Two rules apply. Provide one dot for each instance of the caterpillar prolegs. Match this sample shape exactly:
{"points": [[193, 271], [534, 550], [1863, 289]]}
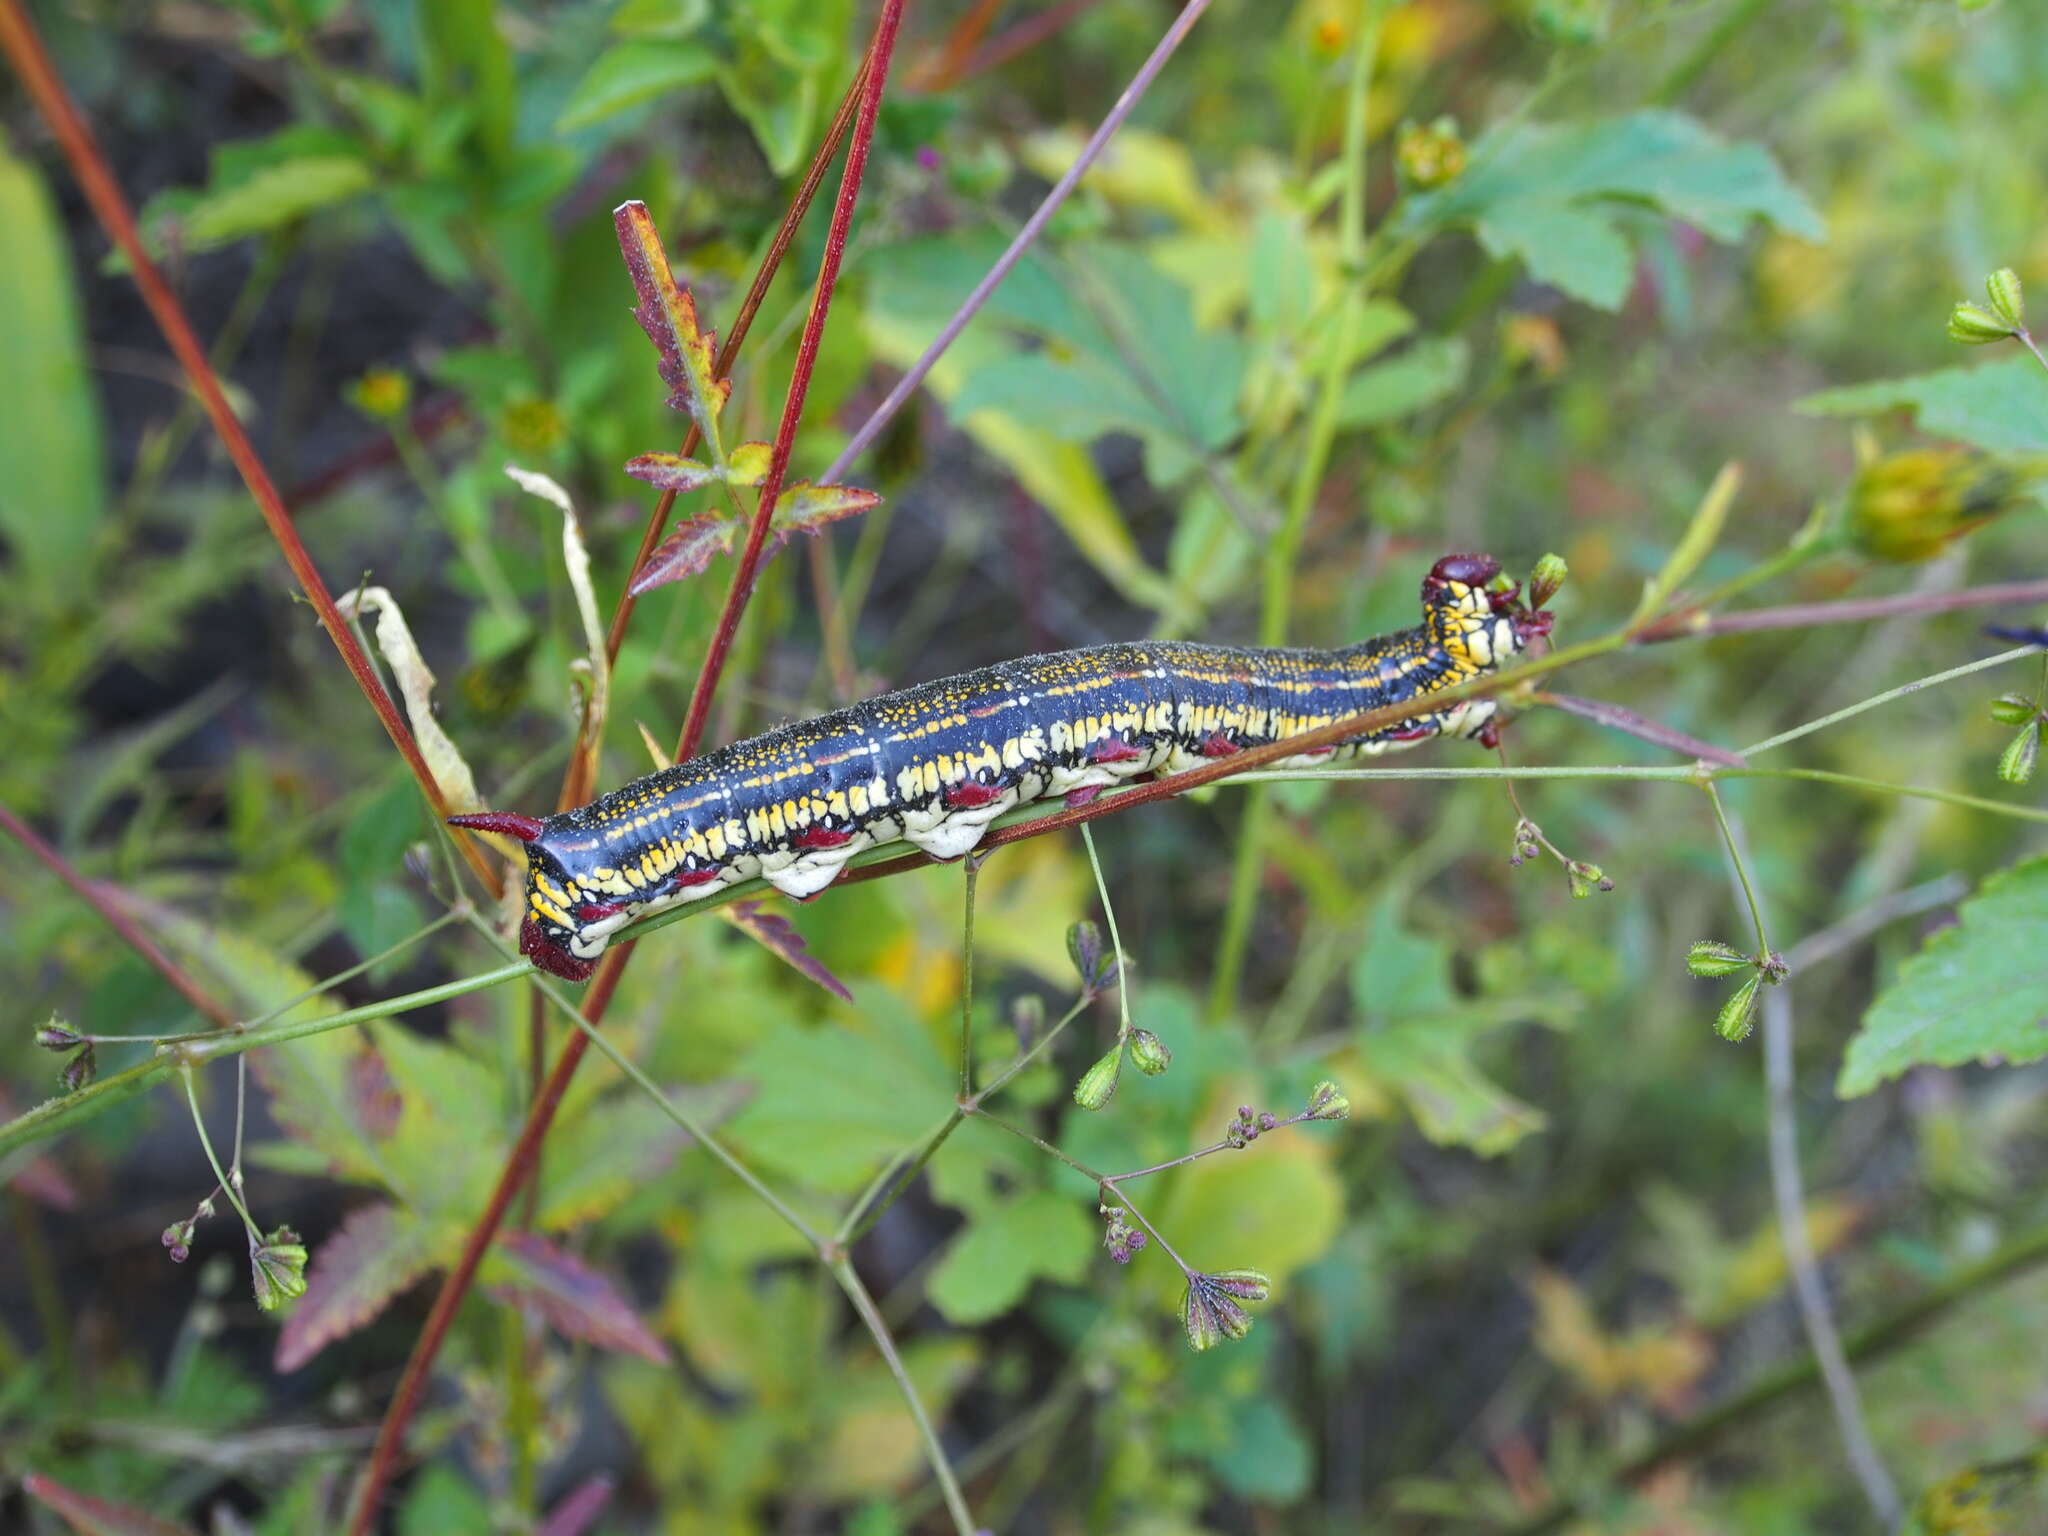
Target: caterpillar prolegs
{"points": [[933, 765]]}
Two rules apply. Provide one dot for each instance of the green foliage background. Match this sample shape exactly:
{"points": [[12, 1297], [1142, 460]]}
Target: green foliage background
{"points": [[1205, 405]]}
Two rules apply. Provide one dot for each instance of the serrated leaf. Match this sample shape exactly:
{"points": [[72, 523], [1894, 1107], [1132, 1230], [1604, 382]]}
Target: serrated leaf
{"points": [[53, 495], [667, 312], [322, 1087], [576, 1300], [694, 544], [91, 1516], [671, 472], [805, 508], [778, 935], [451, 1124], [631, 72], [2002, 406], [373, 1255], [1977, 991], [989, 1267], [1549, 194], [416, 684]]}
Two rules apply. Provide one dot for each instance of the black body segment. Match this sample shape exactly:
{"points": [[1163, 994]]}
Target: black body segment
{"points": [[935, 764]]}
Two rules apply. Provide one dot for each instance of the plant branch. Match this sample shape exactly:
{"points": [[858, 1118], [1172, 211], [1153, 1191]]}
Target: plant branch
{"points": [[1918, 683], [1697, 624], [24, 49], [95, 896]]}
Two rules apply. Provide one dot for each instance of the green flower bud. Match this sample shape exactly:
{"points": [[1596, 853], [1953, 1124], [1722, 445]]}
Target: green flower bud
{"points": [[58, 1036], [1738, 1015], [1911, 506], [382, 394], [1430, 157], [277, 1265], [1149, 1053], [1586, 879], [2011, 709], [1710, 957], [2016, 762], [1547, 579], [1099, 1081], [2004, 288], [1974, 325]]}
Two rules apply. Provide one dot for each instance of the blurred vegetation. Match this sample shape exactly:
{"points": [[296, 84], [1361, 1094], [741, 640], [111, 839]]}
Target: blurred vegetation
{"points": [[1359, 284]]}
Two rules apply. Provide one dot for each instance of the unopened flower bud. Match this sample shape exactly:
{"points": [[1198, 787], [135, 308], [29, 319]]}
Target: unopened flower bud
{"points": [[1710, 957], [1586, 878], [1326, 1101], [1547, 579], [1099, 1081], [58, 1036], [1911, 506], [1268, 1120], [2008, 710], [178, 1239], [1149, 1053], [1738, 1015], [1430, 157], [1210, 1307], [2016, 763], [1123, 1240], [2003, 287], [382, 394], [1084, 948], [80, 1070], [1974, 325]]}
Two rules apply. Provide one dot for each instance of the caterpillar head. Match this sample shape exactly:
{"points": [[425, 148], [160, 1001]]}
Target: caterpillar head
{"points": [[548, 932], [1475, 615]]}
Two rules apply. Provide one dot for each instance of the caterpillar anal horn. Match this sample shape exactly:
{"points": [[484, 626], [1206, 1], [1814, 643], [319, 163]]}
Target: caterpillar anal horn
{"points": [[505, 823]]}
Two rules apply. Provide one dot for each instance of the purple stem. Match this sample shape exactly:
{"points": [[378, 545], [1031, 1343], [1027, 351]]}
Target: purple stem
{"points": [[1033, 228]]}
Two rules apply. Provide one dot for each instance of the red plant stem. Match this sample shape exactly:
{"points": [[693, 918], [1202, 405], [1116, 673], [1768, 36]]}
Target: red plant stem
{"points": [[1696, 625], [24, 49], [799, 380], [540, 1116], [525, 1152], [938, 71], [721, 366], [96, 898]]}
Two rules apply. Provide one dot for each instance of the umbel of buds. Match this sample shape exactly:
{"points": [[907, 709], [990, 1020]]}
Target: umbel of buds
{"points": [[277, 1265], [1210, 1308], [1123, 1240], [1974, 325], [1326, 1101], [1586, 878], [1246, 1126]]}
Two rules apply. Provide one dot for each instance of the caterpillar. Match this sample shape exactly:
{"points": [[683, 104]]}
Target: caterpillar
{"points": [[934, 764]]}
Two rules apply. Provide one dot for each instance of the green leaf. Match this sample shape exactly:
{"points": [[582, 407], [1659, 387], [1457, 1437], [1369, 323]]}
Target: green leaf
{"points": [[373, 1255], [631, 72], [805, 508], [1400, 386], [2002, 406], [991, 1265], [451, 1129], [91, 1516], [466, 68], [1265, 1457], [1977, 991], [667, 312], [832, 1103], [1277, 1207], [1548, 193], [777, 105], [273, 197], [661, 18], [600, 1156], [52, 495], [1452, 1101]]}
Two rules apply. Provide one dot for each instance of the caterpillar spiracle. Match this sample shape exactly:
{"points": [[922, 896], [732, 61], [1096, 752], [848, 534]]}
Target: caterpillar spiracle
{"points": [[935, 764]]}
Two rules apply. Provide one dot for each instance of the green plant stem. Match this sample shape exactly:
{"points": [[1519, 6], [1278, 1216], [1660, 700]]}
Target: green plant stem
{"points": [[935, 1451], [1881, 1337], [522, 1413], [1888, 695], [1741, 867], [227, 1185], [972, 868], [1116, 944]]}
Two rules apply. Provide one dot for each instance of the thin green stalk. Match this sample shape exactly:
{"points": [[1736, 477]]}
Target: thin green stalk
{"points": [[1888, 695], [934, 1450], [228, 1186], [1116, 944], [1037, 1048], [1756, 912], [972, 866], [560, 1001]]}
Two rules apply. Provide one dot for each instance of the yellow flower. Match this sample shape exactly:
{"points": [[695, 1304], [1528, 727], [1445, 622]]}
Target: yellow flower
{"points": [[1909, 507]]}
